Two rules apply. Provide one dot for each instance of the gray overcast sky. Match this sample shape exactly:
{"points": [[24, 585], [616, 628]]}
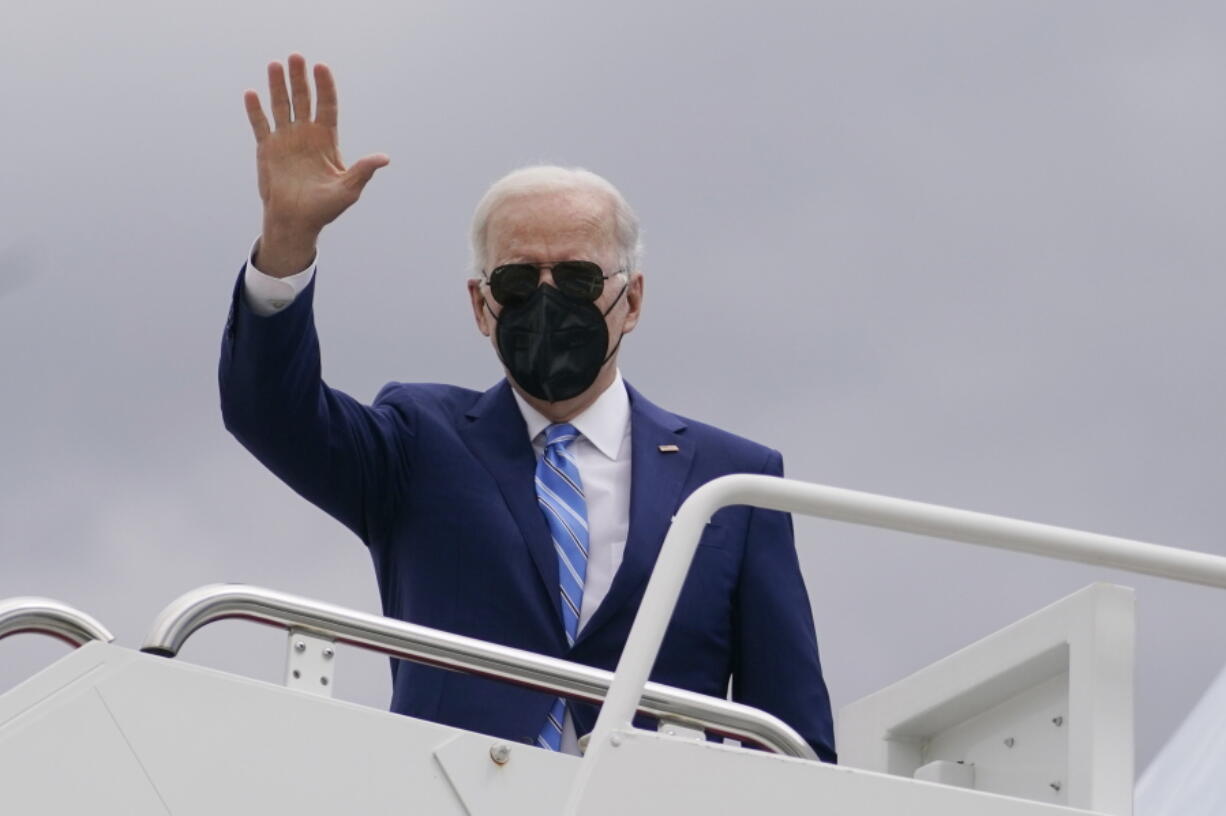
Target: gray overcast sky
{"points": [[962, 252]]}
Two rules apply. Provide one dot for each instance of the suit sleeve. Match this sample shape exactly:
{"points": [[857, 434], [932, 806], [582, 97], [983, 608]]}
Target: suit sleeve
{"points": [[347, 458], [775, 659]]}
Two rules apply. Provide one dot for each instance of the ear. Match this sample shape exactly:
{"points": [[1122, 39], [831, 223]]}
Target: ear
{"points": [[634, 302], [485, 323]]}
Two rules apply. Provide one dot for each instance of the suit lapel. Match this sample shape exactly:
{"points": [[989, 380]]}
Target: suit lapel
{"points": [[494, 430], [656, 481]]}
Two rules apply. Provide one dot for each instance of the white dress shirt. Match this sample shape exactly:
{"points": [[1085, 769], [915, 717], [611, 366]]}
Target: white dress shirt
{"points": [[267, 295], [602, 454]]}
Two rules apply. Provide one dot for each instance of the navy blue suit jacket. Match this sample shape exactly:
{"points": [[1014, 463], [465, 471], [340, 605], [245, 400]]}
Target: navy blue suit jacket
{"points": [[438, 482]]}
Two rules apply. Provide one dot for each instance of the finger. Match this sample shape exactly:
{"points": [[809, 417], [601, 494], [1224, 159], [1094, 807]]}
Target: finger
{"points": [[255, 115], [325, 92], [300, 91], [278, 98], [363, 169]]}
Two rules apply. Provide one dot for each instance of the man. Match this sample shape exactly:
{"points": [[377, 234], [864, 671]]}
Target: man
{"points": [[530, 514]]}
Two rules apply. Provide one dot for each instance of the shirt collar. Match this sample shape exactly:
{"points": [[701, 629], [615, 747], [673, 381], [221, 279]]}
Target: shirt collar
{"points": [[603, 423]]}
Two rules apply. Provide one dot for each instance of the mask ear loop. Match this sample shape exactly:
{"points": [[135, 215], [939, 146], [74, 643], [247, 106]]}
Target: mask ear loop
{"points": [[606, 314], [497, 349], [488, 309]]}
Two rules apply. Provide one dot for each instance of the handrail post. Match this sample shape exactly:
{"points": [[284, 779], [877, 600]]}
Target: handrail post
{"points": [[775, 493], [647, 631]]}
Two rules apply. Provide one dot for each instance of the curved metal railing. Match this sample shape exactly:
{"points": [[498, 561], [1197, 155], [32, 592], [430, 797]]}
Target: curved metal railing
{"points": [[837, 504], [195, 609], [48, 617]]}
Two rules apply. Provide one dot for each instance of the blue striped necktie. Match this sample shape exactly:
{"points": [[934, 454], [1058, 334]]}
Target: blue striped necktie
{"points": [[559, 490]]}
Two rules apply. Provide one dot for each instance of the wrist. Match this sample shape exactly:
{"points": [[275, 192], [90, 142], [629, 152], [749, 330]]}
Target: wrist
{"points": [[284, 250]]}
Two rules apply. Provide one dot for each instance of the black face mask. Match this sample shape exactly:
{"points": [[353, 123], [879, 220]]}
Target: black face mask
{"points": [[553, 345]]}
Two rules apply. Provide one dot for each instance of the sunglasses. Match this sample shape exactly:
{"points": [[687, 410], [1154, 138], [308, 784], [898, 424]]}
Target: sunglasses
{"points": [[512, 284]]}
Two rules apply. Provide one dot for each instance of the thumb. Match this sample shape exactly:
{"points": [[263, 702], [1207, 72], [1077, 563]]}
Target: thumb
{"points": [[364, 168]]}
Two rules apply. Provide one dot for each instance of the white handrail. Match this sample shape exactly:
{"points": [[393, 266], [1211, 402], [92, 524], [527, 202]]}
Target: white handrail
{"points": [[854, 507]]}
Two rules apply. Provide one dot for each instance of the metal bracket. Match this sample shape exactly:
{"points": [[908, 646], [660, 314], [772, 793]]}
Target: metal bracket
{"points": [[682, 730], [309, 662]]}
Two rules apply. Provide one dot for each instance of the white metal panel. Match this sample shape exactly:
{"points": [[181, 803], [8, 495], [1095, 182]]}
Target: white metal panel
{"points": [[1011, 685], [1186, 778], [651, 773], [105, 727], [1018, 747], [947, 773], [211, 740], [155, 735], [489, 788], [72, 758], [88, 663], [310, 662]]}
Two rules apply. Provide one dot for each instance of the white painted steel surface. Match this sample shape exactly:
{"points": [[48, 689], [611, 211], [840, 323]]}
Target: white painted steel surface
{"points": [[111, 731], [664, 586], [115, 732], [646, 773], [310, 662], [1043, 708]]}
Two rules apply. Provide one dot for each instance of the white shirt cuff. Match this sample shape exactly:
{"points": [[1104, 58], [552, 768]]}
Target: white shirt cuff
{"points": [[267, 295]]}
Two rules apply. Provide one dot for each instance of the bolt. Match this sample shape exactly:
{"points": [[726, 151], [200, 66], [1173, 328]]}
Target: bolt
{"points": [[1008, 742], [500, 752], [1059, 721], [615, 740], [1055, 786], [297, 674], [328, 652], [300, 646], [323, 681]]}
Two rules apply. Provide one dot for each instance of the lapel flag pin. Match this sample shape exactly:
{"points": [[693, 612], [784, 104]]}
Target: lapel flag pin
{"points": [[669, 449]]}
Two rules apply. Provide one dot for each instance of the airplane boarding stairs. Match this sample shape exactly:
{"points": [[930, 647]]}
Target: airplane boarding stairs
{"points": [[1035, 719]]}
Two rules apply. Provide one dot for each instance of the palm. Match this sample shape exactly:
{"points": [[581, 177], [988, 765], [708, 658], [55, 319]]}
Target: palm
{"points": [[301, 174], [303, 181]]}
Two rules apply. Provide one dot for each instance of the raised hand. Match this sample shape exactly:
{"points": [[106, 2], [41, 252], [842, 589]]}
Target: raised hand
{"points": [[303, 182]]}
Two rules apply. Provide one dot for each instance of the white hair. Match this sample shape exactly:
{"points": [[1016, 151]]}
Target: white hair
{"points": [[547, 178]]}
